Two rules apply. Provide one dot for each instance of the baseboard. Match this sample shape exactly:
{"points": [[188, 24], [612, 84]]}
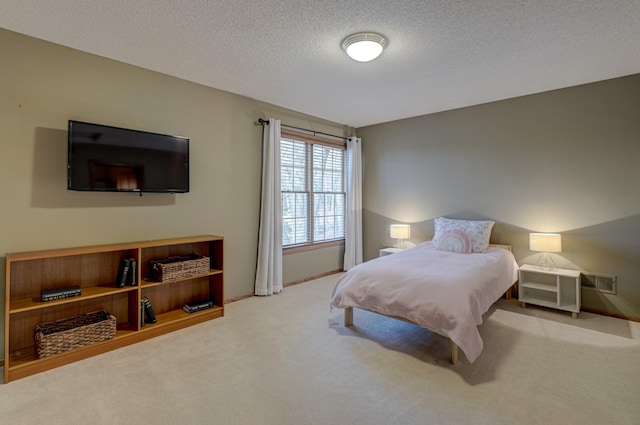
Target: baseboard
{"points": [[238, 298], [242, 297], [611, 314]]}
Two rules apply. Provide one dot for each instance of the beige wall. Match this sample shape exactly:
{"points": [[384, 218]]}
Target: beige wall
{"points": [[43, 85], [563, 161], [300, 266]]}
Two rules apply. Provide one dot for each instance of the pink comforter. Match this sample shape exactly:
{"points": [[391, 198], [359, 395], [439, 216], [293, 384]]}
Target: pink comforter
{"points": [[442, 291]]}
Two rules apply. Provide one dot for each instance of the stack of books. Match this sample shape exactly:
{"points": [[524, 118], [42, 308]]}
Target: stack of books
{"points": [[59, 293], [194, 306], [127, 274]]}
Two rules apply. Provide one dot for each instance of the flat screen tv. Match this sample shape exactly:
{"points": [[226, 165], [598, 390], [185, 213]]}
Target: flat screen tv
{"points": [[110, 159]]}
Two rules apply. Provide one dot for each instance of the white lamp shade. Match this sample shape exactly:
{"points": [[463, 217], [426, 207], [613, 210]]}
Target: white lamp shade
{"points": [[545, 242], [400, 231]]}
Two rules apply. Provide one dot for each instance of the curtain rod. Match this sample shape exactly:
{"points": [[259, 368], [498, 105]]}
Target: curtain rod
{"points": [[266, 122]]}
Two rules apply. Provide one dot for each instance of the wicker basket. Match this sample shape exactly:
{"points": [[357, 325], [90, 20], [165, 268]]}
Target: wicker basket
{"points": [[74, 332], [179, 267]]}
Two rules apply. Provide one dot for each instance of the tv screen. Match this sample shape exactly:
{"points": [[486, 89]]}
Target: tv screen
{"points": [[111, 159]]}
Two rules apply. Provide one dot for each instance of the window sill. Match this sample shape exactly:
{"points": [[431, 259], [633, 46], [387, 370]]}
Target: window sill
{"points": [[303, 248]]}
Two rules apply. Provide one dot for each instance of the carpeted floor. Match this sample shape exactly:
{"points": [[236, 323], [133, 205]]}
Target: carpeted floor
{"points": [[287, 359]]}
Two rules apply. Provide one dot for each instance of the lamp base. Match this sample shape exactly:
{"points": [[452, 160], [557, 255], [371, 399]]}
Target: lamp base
{"points": [[545, 262]]}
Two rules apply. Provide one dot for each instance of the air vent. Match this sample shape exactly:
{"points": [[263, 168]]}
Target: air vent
{"points": [[600, 282]]}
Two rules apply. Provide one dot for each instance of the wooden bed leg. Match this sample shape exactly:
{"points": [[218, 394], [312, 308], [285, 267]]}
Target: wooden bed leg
{"points": [[508, 293], [454, 353], [348, 316]]}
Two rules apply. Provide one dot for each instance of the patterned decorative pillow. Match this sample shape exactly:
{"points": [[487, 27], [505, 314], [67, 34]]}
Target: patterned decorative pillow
{"points": [[479, 232], [454, 241]]}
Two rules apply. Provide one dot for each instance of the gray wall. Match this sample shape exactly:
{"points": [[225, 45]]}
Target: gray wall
{"points": [[42, 85], [563, 161]]}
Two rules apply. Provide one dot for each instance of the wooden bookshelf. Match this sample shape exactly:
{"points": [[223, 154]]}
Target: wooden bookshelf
{"points": [[95, 269]]}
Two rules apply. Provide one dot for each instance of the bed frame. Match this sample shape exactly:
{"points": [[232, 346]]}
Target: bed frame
{"points": [[348, 313], [348, 321]]}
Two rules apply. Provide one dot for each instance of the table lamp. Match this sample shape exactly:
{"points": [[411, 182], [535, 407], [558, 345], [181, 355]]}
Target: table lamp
{"points": [[545, 243], [400, 232]]}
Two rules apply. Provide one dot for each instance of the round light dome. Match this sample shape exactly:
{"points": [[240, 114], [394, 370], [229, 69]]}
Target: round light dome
{"points": [[364, 47]]}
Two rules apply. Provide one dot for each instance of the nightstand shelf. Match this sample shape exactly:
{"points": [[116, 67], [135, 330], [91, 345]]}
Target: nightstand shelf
{"points": [[556, 288]]}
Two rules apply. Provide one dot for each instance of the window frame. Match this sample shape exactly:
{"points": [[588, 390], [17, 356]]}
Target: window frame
{"points": [[315, 140]]}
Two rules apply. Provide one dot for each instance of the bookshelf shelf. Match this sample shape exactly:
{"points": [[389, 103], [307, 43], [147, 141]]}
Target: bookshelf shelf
{"points": [[95, 270], [27, 304], [173, 316], [148, 282]]}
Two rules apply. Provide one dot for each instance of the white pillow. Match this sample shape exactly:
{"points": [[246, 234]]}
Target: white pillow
{"points": [[479, 232]]}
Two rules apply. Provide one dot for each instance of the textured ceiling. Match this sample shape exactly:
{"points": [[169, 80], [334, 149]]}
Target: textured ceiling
{"points": [[442, 54]]}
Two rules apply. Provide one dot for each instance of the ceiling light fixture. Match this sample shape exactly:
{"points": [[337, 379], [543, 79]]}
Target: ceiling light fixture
{"points": [[364, 46]]}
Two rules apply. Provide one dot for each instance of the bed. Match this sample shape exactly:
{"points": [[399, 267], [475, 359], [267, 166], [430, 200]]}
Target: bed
{"points": [[444, 285]]}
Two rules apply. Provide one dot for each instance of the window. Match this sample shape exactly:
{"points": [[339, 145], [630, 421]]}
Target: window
{"points": [[313, 189]]}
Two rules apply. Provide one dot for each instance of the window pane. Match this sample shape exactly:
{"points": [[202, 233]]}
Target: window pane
{"points": [[288, 205], [286, 178], [286, 153], [329, 216], [340, 198], [328, 169], [318, 205], [294, 231], [294, 218], [317, 180], [301, 205], [302, 231], [339, 215], [300, 179], [293, 163], [288, 231]]}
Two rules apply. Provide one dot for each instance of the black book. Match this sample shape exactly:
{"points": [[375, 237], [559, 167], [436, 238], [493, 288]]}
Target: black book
{"points": [[142, 309], [60, 293], [132, 278], [199, 303], [148, 310], [123, 273], [192, 307], [59, 296]]}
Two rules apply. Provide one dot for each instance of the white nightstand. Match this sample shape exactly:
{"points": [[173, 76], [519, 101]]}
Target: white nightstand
{"points": [[388, 251], [556, 288]]}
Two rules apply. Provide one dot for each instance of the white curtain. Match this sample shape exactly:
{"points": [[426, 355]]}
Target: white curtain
{"points": [[353, 225], [269, 267]]}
